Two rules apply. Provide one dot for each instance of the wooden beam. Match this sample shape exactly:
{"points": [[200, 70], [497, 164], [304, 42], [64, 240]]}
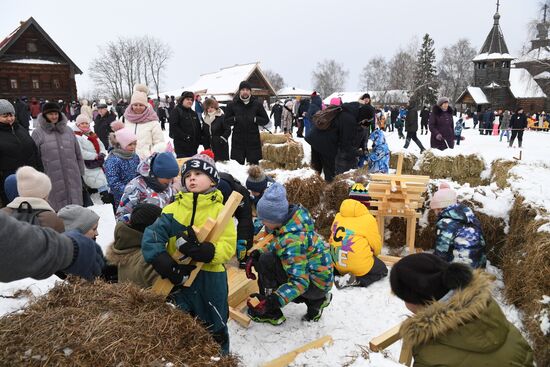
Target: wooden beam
{"points": [[389, 260], [385, 339], [261, 244], [399, 163], [240, 317], [288, 358]]}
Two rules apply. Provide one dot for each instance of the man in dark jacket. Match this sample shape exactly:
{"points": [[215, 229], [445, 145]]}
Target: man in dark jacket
{"points": [[366, 113], [442, 125], [323, 149], [350, 134], [488, 120], [411, 127], [393, 117], [243, 214], [518, 123], [245, 114], [36, 252], [102, 123], [424, 116], [22, 112], [185, 127], [276, 112]]}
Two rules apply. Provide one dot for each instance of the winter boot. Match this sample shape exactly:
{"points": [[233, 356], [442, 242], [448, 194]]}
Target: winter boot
{"points": [[315, 308], [348, 280], [275, 317]]}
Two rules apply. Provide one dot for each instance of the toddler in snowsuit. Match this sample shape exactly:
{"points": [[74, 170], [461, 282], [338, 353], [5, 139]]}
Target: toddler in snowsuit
{"points": [[295, 267], [125, 252], [379, 154], [153, 185], [456, 321], [355, 242], [198, 200], [458, 130], [459, 235], [121, 165]]}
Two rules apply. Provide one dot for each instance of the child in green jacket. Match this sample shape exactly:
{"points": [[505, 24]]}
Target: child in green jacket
{"points": [[198, 200], [295, 267]]}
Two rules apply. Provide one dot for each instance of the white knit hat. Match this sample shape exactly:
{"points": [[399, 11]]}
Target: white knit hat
{"points": [[32, 183], [81, 119], [443, 197], [140, 94]]}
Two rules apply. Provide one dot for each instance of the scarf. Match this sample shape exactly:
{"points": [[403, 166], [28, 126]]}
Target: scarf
{"points": [[245, 101], [148, 115], [121, 153], [92, 137], [210, 117], [154, 183]]}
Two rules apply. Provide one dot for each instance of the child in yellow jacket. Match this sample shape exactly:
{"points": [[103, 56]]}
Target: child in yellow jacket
{"points": [[355, 242]]}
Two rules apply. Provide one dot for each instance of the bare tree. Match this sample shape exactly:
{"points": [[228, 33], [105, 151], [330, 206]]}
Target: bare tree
{"points": [[375, 75], [401, 70], [127, 61], [456, 69], [275, 79], [329, 77]]}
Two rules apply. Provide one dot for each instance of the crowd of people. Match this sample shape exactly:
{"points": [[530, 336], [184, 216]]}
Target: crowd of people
{"points": [[47, 174]]}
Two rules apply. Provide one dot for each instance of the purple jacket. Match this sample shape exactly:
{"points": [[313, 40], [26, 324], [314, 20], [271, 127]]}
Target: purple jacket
{"points": [[441, 122]]}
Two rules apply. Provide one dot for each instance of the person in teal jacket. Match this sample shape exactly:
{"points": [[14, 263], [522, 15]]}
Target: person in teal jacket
{"points": [[295, 267], [198, 200]]}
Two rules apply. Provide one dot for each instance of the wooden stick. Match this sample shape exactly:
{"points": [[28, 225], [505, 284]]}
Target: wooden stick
{"points": [[288, 358], [385, 339], [240, 317], [261, 244], [399, 163], [389, 260]]}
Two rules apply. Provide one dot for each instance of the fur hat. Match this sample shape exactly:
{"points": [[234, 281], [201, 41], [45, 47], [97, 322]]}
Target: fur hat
{"points": [[144, 215], [78, 218], [187, 94], [6, 107], [32, 183], [164, 165], [257, 181], [10, 187], [442, 100], [422, 278], [204, 162], [123, 137], [273, 206], [50, 107], [443, 197], [82, 118], [140, 94], [244, 85]]}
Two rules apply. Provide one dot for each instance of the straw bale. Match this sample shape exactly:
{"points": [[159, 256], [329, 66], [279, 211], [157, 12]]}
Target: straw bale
{"points": [[291, 152], [99, 324], [500, 172], [460, 168], [409, 160], [266, 137], [305, 191]]}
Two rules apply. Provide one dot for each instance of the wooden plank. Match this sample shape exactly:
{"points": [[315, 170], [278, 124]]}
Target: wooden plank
{"points": [[261, 244], [411, 222], [405, 357], [288, 358], [406, 178], [399, 163], [240, 317], [253, 301], [385, 339], [222, 221], [389, 260]]}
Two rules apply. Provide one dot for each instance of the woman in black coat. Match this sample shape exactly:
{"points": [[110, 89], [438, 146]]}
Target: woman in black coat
{"points": [[17, 148], [215, 131], [518, 123]]}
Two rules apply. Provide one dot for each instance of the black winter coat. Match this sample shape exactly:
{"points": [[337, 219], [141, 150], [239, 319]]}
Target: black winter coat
{"points": [[518, 121], [215, 136], [350, 134], [314, 106], [17, 149], [424, 116], [366, 112], [441, 122], [186, 130], [102, 127], [277, 111], [243, 214], [22, 114], [245, 119], [411, 121]]}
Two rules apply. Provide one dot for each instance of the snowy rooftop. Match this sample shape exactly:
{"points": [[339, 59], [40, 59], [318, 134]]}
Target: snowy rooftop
{"points": [[478, 95], [541, 53], [543, 75], [33, 61], [522, 84], [293, 91], [493, 56]]}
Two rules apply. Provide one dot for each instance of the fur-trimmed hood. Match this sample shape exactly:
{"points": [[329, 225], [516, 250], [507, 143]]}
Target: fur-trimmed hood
{"points": [[127, 242], [441, 318], [438, 111]]}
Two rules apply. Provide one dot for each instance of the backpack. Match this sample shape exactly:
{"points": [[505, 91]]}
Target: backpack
{"points": [[323, 119], [25, 213]]}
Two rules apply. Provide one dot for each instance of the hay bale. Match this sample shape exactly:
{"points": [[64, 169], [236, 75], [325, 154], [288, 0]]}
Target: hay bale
{"points": [[100, 324], [462, 168], [425, 237], [268, 165], [334, 193], [323, 222], [305, 191], [409, 160], [526, 265], [500, 169], [266, 137], [288, 153]]}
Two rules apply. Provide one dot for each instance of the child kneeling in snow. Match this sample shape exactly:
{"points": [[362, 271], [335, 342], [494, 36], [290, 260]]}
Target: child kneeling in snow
{"points": [[456, 321], [355, 242], [459, 235], [198, 200], [295, 267]]}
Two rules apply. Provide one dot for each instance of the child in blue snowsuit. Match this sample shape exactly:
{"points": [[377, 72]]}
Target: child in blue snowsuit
{"points": [[379, 154], [459, 235], [458, 130]]}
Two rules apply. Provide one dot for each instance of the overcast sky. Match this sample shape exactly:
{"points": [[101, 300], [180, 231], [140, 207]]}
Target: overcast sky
{"points": [[286, 36]]}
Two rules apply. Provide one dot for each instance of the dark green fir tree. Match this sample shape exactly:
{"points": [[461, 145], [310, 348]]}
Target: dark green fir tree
{"points": [[425, 78]]}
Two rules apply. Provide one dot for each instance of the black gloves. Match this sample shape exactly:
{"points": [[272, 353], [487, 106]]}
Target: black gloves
{"points": [[252, 259], [267, 305], [88, 259], [106, 197], [190, 246], [167, 267]]}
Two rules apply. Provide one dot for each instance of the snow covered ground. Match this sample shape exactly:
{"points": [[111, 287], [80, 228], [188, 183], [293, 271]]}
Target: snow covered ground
{"points": [[355, 315]]}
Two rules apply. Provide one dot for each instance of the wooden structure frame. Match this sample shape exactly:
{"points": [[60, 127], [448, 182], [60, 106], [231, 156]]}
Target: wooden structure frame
{"points": [[210, 231], [389, 337], [398, 195], [289, 357]]}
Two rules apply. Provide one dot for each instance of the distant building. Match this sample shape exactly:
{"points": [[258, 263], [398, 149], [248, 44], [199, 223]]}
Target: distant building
{"points": [[503, 82], [33, 65], [392, 97]]}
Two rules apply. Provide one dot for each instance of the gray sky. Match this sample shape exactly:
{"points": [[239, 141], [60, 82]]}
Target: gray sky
{"points": [[287, 36]]}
